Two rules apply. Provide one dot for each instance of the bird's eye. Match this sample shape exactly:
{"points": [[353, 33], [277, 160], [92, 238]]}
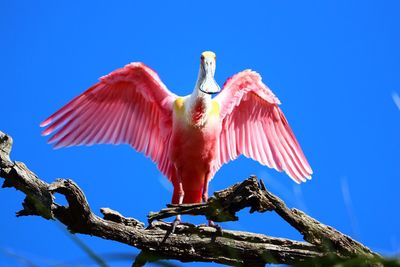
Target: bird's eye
{"points": [[202, 57]]}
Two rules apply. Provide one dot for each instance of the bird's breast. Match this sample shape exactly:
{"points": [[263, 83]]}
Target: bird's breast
{"points": [[191, 142], [200, 114]]}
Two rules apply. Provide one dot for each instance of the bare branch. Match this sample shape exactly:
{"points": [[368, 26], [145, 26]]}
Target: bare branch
{"points": [[189, 242]]}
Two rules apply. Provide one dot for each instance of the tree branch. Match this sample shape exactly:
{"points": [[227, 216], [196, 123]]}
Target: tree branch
{"points": [[189, 242]]}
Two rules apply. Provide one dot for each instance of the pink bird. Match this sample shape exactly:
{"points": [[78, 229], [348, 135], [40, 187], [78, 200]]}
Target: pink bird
{"points": [[190, 137]]}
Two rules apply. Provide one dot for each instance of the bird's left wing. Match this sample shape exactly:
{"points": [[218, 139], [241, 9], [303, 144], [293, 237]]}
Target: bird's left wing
{"points": [[253, 125], [130, 105]]}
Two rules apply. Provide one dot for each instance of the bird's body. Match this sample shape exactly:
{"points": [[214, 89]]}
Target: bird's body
{"points": [[189, 138], [193, 146]]}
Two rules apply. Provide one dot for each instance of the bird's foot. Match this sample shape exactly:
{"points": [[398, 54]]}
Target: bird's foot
{"points": [[172, 229], [176, 222], [216, 226]]}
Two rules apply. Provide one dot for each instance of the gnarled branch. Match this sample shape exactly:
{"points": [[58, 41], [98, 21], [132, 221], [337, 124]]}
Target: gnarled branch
{"points": [[189, 242]]}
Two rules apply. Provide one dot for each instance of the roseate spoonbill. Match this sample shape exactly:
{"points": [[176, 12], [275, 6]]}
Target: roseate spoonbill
{"points": [[189, 137]]}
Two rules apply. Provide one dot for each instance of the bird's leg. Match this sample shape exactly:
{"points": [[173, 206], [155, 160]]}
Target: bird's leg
{"points": [[205, 198], [179, 194], [204, 195]]}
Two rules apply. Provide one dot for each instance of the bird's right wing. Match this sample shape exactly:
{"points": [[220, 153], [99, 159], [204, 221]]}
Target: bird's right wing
{"points": [[130, 105]]}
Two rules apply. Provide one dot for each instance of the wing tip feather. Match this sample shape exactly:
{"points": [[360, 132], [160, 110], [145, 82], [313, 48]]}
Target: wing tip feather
{"points": [[305, 178], [45, 132], [46, 122]]}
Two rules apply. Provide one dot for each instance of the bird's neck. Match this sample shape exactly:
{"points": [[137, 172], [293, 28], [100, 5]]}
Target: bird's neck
{"points": [[199, 104]]}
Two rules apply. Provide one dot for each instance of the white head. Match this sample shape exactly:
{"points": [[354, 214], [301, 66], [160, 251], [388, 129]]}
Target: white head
{"points": [[206, 82]]}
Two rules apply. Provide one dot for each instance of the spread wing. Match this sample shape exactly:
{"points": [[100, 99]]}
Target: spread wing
{"points": [[253, 125], [128, 106]]}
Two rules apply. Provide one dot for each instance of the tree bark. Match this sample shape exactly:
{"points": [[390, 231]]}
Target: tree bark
{"points": [[188, 243]]}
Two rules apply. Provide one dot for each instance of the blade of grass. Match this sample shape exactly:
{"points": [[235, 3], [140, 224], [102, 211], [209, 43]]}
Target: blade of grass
{"points": [[19, 258], [85, 248]]}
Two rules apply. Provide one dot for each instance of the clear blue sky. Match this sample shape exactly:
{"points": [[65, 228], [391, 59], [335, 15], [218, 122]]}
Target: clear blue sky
{"points": [[335, 65]]}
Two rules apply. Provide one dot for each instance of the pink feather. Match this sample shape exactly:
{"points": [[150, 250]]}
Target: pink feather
{"points": [[253, 125], [129, 105]]}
